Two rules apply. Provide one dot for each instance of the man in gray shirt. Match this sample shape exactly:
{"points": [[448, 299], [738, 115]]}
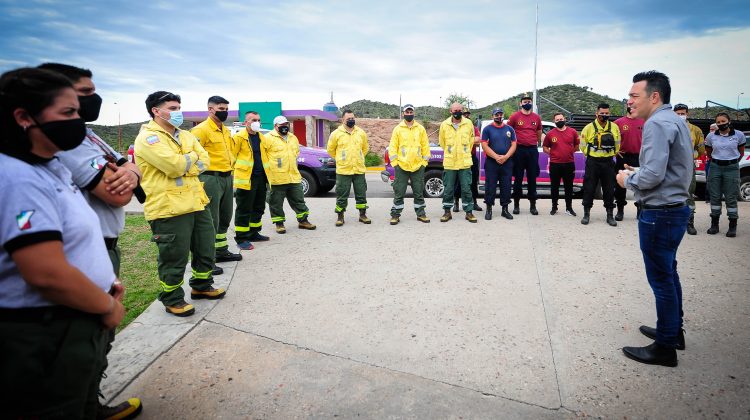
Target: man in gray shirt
{"points": [[661, 188]]}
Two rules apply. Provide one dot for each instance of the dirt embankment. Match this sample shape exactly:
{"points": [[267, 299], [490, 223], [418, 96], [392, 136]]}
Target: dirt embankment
{"points": [[379, 132]]}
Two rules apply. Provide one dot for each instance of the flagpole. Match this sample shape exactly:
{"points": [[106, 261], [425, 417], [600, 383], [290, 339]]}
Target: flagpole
{"points": [[536, 44]]}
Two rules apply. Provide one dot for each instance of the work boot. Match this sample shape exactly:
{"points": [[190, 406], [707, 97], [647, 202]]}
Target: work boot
{"points": [[217, 271], [732, 232], [553, 211], [610, 220], [532, 209], [455, 205], [488, 213], [476, 206], [570, 212], [714, 229], [303, 223], [226, 256], [506, 214], [691, 227], [180, 309], [340, 219], [516, 210], [257, 237], [363, 217], [446, 216], [655, 354], [470, 217], [210, 293], [423, 218], [651, 333], [129, 409], [620, 214], [280, 228], [394, 219], [586, 216]]}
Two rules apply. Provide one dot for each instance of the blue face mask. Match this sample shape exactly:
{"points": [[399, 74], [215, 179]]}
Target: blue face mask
{"points": [[175, 118]]}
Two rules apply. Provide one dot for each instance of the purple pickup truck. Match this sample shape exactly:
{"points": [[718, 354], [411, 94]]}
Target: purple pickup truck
{"points": [[433, 177]]}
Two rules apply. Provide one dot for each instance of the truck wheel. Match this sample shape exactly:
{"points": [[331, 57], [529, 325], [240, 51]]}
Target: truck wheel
{"points": [[433, 184], [745, 188], [309, 184]]}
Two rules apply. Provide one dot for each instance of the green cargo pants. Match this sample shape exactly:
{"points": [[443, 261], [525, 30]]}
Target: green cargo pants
{"points": [[400, 181], [691, 191], [219, 190], [294, 195], [251, 204], [724, 180], [50, 363], [344, 186], [463, 177], [177, 237]]}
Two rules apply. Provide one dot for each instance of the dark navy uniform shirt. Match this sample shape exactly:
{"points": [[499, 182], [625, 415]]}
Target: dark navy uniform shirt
{"points": [[499, 139]]}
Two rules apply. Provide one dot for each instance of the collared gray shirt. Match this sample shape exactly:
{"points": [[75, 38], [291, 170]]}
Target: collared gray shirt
{"points": [[725, 147], [666, 160], [86, 163]]}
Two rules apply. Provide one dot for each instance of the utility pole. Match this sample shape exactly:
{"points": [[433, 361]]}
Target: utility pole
{"points": [[536, 44]]}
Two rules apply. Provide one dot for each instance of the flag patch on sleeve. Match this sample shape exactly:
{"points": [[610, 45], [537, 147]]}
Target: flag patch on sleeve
{"points": [[152, 139], [96, 165], [24, 219]]}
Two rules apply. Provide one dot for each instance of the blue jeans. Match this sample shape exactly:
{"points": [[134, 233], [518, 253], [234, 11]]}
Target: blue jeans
{"points": [[660, 233]]}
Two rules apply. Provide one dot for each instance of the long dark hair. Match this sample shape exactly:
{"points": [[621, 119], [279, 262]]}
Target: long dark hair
{"points": [[31, 89]]}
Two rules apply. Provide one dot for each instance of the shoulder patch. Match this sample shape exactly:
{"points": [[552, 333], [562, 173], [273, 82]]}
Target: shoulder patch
{"points": [[507, 133], [23, 219], [152, 139], [95, 164]]}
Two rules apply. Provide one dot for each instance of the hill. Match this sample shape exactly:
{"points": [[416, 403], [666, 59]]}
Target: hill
{"points": [[109, 133]]}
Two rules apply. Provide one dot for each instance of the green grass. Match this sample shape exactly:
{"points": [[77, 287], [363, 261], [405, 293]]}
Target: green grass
{"points": [[138, 268], [372, 159]]}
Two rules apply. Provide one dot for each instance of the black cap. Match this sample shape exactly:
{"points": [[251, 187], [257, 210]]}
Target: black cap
{"points": [[679, 107]]}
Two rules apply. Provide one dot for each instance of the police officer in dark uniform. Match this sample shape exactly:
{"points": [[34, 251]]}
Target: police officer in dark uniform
{"points": [[499, 144]]}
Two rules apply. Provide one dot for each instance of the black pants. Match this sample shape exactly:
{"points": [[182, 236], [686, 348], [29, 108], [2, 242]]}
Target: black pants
{"points": [[599, 170], [495, 173], [630, 159], [566, 172], [474, 180], [525, 159]]}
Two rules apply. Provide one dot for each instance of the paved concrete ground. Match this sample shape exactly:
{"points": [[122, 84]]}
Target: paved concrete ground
{"points": [[501, 319]]}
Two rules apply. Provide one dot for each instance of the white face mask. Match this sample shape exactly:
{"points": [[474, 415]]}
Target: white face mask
{"points": [[255, 126], [684, 117]]}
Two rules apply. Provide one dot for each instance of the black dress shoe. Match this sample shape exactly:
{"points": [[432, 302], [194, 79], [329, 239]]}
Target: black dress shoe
{"points": [[227, 256], [257, 237], [651, 333], [476, 207], [217, 271], [654, 354]]}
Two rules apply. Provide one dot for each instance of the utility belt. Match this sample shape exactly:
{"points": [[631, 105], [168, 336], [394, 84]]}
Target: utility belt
{"points": [[110, 243], [725, 162], [42, 314], [662, 206], [217, 173]]}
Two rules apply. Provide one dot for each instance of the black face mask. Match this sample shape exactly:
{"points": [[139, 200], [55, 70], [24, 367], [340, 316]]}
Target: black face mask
{"points": [[350, 122], [65, 134], [222, 115], [498, 120], [409, 118], [722, 127], [284, 130], [458, 115], [559, 124], [90, 107], [604, 118], [527, 107]]}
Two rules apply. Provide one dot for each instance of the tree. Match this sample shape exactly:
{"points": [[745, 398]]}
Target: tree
{"points": [[459, 98]]}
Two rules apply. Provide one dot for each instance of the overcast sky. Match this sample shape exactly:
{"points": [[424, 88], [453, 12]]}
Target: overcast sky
{"points": [[297, 52]]}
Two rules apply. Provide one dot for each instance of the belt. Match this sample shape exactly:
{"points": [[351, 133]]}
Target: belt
{"points": [[217, 173], [662, 206], [40, 314], [110, 243], [725, 162]]}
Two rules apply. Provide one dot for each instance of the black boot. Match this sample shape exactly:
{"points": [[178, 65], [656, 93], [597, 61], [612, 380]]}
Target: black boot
{"points": [[532, 208], [620, 215], [610, 220], [476, 206], [516, 210], [586, 216], [732, 232], [651, 333], [691, 227], [655, 354], [455, 205], [506, 214], [554, 210], [714, 229], [488, 213]]}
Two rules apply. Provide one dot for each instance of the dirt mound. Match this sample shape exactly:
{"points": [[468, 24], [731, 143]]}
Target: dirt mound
{"points": [[379, 132]]}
